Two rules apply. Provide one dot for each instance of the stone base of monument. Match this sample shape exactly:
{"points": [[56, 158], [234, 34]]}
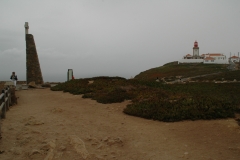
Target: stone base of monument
{"points": [[24, 86]]}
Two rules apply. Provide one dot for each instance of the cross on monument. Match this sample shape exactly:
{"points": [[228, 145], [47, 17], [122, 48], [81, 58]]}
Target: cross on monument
{"points": [[26, 27]]}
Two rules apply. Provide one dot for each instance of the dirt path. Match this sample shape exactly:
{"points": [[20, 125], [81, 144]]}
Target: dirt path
{"points": [[57, 125]]}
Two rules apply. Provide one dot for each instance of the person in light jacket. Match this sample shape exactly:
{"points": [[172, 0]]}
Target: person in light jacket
{"points": [[14, 78]]}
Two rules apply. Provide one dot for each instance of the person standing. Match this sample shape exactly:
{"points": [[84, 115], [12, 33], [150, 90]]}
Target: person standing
{"points": [[14, 78]]}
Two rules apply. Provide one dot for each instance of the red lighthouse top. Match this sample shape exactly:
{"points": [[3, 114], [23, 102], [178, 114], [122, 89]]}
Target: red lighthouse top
{"points": [[195, 44]]}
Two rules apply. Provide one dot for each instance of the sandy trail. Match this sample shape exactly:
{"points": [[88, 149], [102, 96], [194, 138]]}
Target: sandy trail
{"points": [[56, 125]]}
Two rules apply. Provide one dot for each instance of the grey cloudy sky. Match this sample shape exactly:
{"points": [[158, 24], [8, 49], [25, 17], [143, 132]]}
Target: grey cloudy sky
{"points": [[113, 37]]}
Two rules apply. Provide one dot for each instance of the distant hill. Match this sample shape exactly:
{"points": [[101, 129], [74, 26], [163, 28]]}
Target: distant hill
{"points": [[172, 71]]}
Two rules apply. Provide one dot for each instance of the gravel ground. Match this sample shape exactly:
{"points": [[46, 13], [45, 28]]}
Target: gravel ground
{"points": [[57, 125]]}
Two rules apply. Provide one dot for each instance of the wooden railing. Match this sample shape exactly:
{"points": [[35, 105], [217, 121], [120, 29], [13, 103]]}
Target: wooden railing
{"points": [[5, 102]]}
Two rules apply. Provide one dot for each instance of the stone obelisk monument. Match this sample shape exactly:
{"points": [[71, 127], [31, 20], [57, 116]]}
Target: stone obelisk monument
{"points": [[33, 66]]}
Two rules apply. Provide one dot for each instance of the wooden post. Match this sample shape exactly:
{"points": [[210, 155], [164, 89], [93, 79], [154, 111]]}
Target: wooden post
{"points": [[0, 129], [4, 106], [1, 101], [7, 101], [10, 96]]}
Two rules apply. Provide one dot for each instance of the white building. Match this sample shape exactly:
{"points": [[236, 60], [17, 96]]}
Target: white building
{"points": [[215, 58], [209, 58], [234, 58]]}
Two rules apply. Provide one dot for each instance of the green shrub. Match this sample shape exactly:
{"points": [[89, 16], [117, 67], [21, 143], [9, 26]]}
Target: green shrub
{"points": [[182, 109], [114, 96], [153, 100]]}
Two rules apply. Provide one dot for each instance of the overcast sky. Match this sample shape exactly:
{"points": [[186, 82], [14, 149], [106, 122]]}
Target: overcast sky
{"points": [[113, 37]]}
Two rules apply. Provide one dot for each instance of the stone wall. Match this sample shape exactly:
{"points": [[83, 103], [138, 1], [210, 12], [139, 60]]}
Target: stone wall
{"points": [[33, 66], [190, 61]]}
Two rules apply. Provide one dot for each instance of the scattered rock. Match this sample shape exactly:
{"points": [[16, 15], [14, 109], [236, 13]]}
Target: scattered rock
{"points": [[32, 121], [89, 138], [111, 141], [79, 146], [32, 84], [51, 145], [62, 148], [100, 146], [34, 151], [105, 139], [95, 141]]}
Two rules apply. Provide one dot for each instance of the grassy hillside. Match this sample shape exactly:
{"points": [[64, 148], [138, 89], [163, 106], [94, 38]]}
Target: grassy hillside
{"points": [[173, 69], [160, 101]]}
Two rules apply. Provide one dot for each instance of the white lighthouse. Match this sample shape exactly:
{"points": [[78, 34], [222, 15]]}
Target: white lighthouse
{"points": [[195, 50]]}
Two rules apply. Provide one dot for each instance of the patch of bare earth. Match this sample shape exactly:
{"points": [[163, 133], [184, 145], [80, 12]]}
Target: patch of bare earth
{"points": [[56, 125]]}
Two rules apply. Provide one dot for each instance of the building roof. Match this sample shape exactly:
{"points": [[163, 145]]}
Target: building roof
{"points": [[209, 58], [234, 57], [188, 55], [215, 54]]}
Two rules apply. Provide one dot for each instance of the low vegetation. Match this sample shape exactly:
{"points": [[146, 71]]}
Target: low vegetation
{"points": [[158, 101]]}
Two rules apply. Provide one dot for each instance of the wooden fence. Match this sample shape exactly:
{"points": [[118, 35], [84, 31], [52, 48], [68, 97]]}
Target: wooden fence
{"points": [[5, 102]]}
